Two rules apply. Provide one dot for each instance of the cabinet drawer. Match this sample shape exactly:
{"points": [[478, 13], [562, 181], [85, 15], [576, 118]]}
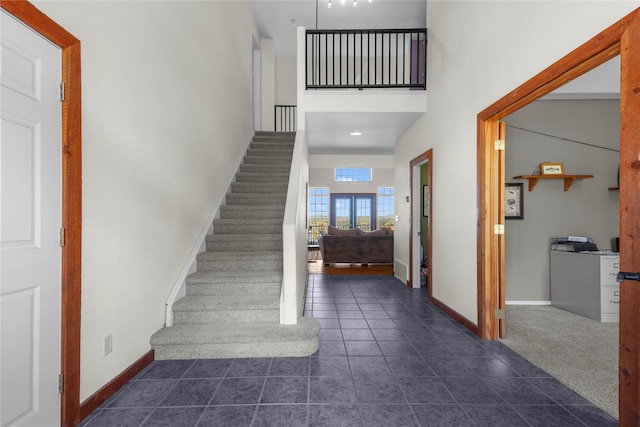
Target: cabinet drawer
{"points": [[610, 301], [609, 269]]}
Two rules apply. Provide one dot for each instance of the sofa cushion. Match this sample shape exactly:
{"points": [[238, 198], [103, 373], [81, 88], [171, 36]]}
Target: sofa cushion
{"points": [[333, 231]]}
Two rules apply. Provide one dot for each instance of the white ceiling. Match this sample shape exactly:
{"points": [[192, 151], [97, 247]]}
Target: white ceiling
{"points": [[274, 18], [328, 133]]}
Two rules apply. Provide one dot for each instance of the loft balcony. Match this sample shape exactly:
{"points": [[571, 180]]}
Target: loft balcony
{"points": [[362, 72], [365, 59]]}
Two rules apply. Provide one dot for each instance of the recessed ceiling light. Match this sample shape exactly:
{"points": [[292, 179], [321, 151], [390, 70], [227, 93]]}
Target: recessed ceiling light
{"points": [[355, 133]]}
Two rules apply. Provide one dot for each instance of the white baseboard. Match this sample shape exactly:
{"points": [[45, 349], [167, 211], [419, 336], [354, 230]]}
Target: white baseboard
{"points": [[179, 288], [528, 302]]}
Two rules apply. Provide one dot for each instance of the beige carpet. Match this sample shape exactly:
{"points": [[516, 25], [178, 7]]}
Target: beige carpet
{"points": [[580, 352]]}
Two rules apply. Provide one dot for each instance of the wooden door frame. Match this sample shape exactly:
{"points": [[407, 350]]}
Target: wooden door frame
{"points": [[426, 157], [71, 200], [622, 38]]}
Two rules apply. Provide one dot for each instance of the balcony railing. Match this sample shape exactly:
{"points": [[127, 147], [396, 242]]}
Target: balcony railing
{"points": [[361, 59], [285, 118]]}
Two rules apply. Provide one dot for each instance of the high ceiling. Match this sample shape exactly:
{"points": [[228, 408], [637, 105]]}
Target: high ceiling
{"points": [[274, 18], [329, 133]]}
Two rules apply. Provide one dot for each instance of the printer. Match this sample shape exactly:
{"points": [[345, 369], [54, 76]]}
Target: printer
{"points": [[573, 244]]}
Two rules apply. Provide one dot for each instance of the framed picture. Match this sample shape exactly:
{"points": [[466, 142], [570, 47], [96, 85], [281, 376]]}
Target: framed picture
{"points": [[514, 201], [425, 200], [551, 168]]}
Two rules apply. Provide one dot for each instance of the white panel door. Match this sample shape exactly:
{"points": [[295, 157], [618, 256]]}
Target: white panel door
{"points": [[30, 263]]}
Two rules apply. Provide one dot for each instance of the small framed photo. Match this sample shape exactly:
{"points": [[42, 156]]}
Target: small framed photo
{"points": [[551, 169], [514, 201]]}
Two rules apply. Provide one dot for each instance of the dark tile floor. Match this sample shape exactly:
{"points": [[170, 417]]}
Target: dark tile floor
{"points": [[387, 358]]}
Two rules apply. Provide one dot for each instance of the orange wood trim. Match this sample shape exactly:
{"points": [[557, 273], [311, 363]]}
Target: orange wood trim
{"points": [[486, 242], [71, 199], [589, 55], [455, 315], [629, 357], [72, 223], [109, 389], [45, 26]]}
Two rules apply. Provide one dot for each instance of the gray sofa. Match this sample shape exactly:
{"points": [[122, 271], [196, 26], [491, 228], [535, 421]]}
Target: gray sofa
{"points": [[356, 246]]}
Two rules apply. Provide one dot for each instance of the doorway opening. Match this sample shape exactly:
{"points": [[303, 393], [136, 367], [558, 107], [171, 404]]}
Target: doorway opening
{"points": [[421, 188], [622, 38]]}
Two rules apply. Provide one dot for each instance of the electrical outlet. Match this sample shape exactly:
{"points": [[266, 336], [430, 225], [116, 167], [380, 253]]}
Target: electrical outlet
{"points": [[108, 344]]}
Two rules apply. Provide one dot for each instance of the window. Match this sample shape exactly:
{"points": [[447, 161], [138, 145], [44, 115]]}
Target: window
{"points": [[353, 210], [386, 207], [318, 212], [353, 175]]}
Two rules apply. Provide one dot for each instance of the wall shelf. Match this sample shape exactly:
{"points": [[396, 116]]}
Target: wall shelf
{"points": [[568, 179]]}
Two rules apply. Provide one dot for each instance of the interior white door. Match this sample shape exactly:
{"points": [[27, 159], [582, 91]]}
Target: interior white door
{"points": [[31, 257]]}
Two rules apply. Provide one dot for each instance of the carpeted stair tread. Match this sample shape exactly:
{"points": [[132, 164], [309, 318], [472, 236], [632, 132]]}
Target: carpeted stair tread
{"points": [[246, 332], [252, 229], [256, 187], [256, 199], [239, 256], [233, 288], [243, 237], [202, 341], [255, 176], [247, 246], [227, 303], [243, 221], [236, 277]]}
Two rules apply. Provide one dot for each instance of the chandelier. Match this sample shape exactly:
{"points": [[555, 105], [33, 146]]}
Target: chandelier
{"points": [[355, 3]]}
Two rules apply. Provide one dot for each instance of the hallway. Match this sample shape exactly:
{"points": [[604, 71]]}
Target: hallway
{"points": [[387, 357]]}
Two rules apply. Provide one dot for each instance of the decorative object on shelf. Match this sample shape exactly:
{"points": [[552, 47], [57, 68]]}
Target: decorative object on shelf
{"points": [[514, 201], [549, 168], [425, 200]]}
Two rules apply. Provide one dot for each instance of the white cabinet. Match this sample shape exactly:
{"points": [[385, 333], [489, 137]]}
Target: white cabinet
{"points": [[585, 284]]}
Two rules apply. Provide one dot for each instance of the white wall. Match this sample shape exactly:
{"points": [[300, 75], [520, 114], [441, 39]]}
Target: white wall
{"points": [[286, 81], [322, 172], [476, 53], [586, 209], [167, 114], [267, 82]]}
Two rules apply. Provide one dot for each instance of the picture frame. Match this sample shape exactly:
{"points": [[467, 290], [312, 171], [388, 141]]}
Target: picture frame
{"points": [[550, 168], [425, 200], [514, 200]]}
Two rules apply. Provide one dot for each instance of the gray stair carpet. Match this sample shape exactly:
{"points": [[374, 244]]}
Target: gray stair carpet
{"points": [[232, 305]]}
